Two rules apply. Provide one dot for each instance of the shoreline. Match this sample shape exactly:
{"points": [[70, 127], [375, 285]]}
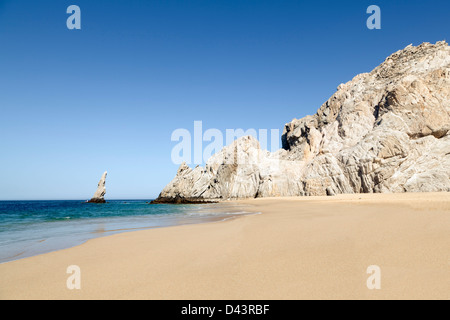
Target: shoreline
{"points": [[66, 235], [114, 232], [299, 248]]}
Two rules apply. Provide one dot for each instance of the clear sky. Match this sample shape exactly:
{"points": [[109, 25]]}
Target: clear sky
{"points": [[75, 103]]}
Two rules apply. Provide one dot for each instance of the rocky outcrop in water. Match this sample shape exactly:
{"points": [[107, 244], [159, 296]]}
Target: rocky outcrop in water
{"points": [[99, 195], [384, 131]]}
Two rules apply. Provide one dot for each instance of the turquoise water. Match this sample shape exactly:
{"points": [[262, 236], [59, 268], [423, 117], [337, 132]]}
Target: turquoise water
{"points": [[33, 227]]}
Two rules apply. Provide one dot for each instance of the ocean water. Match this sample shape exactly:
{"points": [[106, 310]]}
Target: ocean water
{"points": [[29, 228]]}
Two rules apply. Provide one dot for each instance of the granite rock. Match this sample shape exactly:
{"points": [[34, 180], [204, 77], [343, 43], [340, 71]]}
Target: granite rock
{"points": [[99, 195], [383, 131]]}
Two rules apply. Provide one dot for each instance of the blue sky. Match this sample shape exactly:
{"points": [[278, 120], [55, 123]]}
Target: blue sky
{"points": [[75, 103]]}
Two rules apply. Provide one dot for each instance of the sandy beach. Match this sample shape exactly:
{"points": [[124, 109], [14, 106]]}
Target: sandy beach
{"points": [[298, 248]]}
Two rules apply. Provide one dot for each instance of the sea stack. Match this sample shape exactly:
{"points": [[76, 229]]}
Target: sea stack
{"points": [[99, 195]]}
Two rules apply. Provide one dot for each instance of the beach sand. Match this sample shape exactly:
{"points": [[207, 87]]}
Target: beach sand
{"points": [[298, 248]]}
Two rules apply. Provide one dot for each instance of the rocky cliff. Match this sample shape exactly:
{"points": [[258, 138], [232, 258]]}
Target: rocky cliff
{"points": [[384, 131]]}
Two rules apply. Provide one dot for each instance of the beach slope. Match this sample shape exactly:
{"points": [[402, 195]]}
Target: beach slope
{"points": [[298, 248]]}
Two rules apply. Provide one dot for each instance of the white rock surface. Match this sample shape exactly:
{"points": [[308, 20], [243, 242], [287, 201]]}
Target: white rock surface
{"points": [[384, 131], [99, 195]]}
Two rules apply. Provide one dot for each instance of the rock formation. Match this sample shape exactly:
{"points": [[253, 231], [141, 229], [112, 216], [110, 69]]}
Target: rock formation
{"points": [[99, 195], [384, 131]]}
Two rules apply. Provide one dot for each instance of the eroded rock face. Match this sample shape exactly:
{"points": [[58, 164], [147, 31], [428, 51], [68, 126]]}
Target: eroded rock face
{"points": [[384, 131], [99, 195]]}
